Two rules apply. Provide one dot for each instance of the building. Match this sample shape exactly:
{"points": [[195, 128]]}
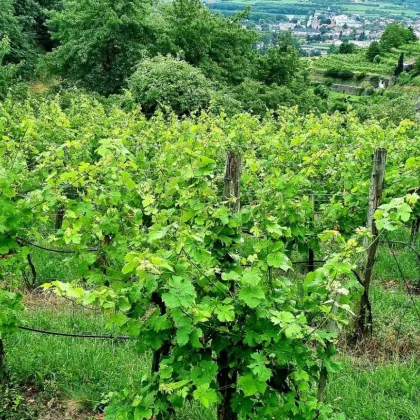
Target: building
{"points": [[304, 32]]}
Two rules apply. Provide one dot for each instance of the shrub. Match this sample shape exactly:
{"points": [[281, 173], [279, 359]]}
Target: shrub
{"points": [[375, 80], [322, 91], [340, 74], [370, 91], [170, 82], [360, 91], [404, 78], [361, 76]]}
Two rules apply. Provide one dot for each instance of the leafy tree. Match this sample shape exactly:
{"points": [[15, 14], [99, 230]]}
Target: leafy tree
{"points": [[396, 35], [100, 41], [7, 72], [346, 48], [400, 66], [281, 64], [22, 46], [373, 51], [35, 13], [412, 35], [218, 46], [166, 81]]}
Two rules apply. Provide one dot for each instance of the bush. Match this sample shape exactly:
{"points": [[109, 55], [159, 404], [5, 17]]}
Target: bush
{"points": [[361, 76], [370, 91], [322, 91], [339, 74], [404, 78], [360, 91], [339, 106], [169, 82], [375, 80]]}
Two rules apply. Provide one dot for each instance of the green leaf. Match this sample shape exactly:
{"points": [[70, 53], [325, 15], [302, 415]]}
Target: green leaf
{"points": [[4, 250], [405, 216], [128, 181], [142, 413], [252, 296], [282, 317], [183, 335], [251, 278], [293, 331], [231, 275], [181, 293], [207, 396], [260, 371], [225, 313], [250, 386], [279, 260], [204, 373]]}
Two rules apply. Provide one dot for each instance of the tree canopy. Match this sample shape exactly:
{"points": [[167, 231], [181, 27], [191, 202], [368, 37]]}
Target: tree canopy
{"points": [[218, 46], [396, 35], [100, 42]]}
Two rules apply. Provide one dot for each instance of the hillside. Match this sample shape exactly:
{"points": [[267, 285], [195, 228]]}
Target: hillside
{"points": [[274, 8]]}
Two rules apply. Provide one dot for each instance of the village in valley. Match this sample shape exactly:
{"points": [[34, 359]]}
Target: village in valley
{"points": [[322, 26], [323, 32]]}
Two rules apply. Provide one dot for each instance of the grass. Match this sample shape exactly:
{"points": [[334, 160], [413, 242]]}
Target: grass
{"points": [[82, 370], [379, 380], [377, 390]]}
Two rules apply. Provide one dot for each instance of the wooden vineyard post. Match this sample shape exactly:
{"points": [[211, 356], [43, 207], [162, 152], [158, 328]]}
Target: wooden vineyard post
{"points": [[232, 181], [3, 375], [59, 218], [323, 374], [362, 309], [227, 376], [311, 252], [415, 228]]}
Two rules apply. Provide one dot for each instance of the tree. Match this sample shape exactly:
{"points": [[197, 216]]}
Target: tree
{"points": [[166, 81], [7, 72], [395, 35], [35, 13], [400, 66], [218, 46], [346, 48], [412, 36], [373, 51], [100, 41], [22, 47], [281, 64]]}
